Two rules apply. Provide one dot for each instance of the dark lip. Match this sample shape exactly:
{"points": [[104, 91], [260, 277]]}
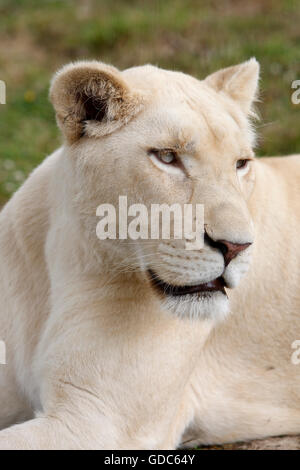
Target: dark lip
{"points": [[217, 285]]}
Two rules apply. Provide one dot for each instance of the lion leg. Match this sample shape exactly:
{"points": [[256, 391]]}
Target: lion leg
{"points": [[37, 434], [87, 420], [14, 408], [108, 380]]}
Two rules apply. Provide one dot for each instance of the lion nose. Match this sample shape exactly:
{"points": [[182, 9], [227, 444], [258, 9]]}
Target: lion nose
{"points": [[231, 250]]}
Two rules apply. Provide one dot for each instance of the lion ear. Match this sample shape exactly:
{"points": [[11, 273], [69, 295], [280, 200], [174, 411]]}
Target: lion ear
{"points": [[91, 98], [239, 82]]}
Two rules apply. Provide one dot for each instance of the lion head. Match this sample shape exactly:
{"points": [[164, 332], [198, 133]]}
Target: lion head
{"points": [[163, 137]]}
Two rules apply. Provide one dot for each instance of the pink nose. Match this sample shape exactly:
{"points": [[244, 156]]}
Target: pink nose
{"points": [[231, 250]]}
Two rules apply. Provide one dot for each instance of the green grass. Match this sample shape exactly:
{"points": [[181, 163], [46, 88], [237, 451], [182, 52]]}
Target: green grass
{"points": [[194, 36]]}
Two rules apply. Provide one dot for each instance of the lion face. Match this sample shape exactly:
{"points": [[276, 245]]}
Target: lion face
{"points": [[163, 137]]}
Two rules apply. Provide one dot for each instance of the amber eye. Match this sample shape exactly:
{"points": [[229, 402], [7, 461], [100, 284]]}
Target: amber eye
{"points": [[241, 164], [168, 157]]}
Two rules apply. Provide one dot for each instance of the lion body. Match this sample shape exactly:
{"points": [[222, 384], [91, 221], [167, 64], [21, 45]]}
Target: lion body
{"points": [[95, 361]]}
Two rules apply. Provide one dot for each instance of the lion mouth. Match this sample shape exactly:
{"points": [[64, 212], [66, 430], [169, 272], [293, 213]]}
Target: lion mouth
{"points": [[217, 285]]}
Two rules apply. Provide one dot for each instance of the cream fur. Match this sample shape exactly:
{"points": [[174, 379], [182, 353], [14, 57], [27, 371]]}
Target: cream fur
{"points": [[96, 359]]}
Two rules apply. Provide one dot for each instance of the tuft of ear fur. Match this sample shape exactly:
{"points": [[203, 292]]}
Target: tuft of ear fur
{"points": [[92, 98], [239, 82]]}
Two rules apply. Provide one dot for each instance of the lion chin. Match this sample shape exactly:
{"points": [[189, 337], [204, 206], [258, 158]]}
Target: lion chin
{"points": [[211, 306], [196, 301]]}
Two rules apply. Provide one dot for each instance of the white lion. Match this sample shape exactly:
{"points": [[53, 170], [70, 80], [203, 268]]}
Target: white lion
{"points": [[118, 344]]}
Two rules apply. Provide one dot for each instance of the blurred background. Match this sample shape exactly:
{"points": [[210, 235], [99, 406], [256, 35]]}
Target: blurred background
{"points": [[194, 36]]}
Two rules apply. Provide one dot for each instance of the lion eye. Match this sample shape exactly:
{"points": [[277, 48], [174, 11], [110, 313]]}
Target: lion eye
{"points": [[168, 157], [241, 164]]}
